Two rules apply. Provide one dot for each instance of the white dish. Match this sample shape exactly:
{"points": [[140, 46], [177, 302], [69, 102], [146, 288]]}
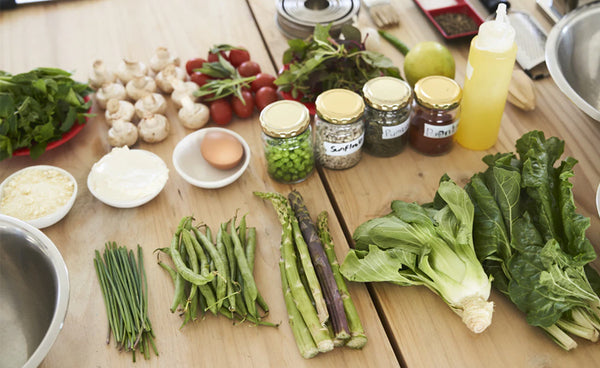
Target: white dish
{"points": [[192, 167], [598, 200], [56, 215], [126, 178]]}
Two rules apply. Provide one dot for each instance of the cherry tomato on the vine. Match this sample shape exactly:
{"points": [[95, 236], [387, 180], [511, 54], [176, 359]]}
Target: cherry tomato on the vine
{"points": [[220, 111], [192, 64], [199, 78], [263, 80], [248, 68], [264, 96], [215, 57], [243, 110], [238, 56]]}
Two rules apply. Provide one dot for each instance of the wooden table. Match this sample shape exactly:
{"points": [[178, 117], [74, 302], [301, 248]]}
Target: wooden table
{"points": [[407, 327]]}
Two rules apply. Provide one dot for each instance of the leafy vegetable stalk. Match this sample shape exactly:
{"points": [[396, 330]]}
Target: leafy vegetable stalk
{"points": [[322, 63], [529, 238], [38, 107], [428, 245]]}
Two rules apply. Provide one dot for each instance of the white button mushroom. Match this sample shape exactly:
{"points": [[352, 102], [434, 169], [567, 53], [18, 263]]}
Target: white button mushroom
{"points": [[129, 69], [100, 75], [183, 89], [122, 133], [154, 128], [193, 115], [161, 58], [151, 104], [139, 87], [108, 91], [164, 78], [118, 110]]}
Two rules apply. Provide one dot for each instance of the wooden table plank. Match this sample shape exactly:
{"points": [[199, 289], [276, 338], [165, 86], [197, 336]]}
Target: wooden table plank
{"points": [[71, 35], [424, 330]]}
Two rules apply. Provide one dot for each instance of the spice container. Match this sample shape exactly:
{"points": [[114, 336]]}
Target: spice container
{"points": [[387, 113], [287, 141], [435, 115], [339, 128]]}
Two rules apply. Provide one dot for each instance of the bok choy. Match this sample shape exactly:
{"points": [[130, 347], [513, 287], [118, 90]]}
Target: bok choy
{"points": [[429, 245]]}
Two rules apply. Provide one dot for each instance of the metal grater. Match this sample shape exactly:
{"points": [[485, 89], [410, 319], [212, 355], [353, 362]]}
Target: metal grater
{"points": [[531, 42]]}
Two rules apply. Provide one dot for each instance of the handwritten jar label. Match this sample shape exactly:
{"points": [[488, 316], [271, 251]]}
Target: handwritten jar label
{"points": [[343, 149], [394, 131], [439, 132]]}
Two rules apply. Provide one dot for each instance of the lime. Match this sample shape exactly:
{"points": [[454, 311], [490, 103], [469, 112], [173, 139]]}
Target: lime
{"points": [[428, 58]]}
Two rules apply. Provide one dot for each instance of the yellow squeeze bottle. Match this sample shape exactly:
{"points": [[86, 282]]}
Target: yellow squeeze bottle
{"points": [[489, 69]]}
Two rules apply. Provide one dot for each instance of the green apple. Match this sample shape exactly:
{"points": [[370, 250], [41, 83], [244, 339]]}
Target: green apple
{"points": [[428, 58]]}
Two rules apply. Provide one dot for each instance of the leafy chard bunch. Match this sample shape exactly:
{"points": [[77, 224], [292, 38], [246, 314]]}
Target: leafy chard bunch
{"points": [[429, 245], [530, 239], [38, 107], [322, 62]]}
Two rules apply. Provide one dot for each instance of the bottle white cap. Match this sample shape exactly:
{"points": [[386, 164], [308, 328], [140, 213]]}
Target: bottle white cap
{"points": [[496, 35]]}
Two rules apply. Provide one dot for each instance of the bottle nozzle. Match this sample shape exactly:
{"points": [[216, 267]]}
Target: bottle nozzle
{"points": [[501, 13]]}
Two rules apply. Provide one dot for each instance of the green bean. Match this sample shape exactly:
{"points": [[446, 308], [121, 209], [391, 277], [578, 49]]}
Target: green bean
{"points": [[399, 45], [250, 291], [232, 265], [221, 289], [242, 231], [183, 270], [205, 289], [229, 285], [193, 262], [251, 247]]}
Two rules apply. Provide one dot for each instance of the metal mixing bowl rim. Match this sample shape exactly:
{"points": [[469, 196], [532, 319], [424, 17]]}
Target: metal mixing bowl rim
{"points": [[63, 288], [551, 55]]}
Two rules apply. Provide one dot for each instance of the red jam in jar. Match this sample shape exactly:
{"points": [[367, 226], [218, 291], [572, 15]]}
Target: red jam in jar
{"points": [[435, 115]]}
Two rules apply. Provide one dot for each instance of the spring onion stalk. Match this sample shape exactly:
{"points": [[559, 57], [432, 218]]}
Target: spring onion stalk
{"points": [[125, 291]]}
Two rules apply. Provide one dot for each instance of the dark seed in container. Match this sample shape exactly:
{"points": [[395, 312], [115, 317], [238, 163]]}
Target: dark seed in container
{"points": [[455, 23]]}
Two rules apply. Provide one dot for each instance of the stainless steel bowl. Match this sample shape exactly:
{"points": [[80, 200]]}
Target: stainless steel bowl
{"points": [[34, 293], [573, 57]]}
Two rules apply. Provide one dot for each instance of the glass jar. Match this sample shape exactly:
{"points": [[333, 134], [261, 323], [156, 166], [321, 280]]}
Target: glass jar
{"points": [[287, 141], [387, 113], [339, 128], [435, 115]]}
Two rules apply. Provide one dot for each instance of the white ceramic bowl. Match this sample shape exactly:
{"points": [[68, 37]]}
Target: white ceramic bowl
{"points": [[127, 178], [59, 213], [192, 167]]}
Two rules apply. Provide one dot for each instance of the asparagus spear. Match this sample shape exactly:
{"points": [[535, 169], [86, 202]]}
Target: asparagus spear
{"points": [[322, 267], [319, 332], [358, 338], [304, 340]]}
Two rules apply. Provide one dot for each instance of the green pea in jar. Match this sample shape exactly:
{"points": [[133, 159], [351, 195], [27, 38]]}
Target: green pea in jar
{"points": [[287, 141]]}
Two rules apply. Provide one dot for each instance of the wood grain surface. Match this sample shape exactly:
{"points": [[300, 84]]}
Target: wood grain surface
{"points": [[424, 331], [71, 35]]}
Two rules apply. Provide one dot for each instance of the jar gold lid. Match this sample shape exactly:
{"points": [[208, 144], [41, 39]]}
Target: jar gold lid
{"points": [[284, 119], [340, 106], [438, 92], [387, 93]]}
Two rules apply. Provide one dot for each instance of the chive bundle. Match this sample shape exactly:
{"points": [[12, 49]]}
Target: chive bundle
{"points": [[215, 276], [125, 290]]}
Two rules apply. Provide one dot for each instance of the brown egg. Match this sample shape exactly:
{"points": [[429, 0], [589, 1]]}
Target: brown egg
{"points": [[221, 150]]}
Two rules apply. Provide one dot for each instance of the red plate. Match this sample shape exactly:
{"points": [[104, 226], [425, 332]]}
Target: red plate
{"points": [[76, 128]]}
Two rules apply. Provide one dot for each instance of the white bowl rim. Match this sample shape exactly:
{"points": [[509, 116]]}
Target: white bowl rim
{"points": [[63, 289], [133, 203], [60, 213], [218, 183], [551, 57]]}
